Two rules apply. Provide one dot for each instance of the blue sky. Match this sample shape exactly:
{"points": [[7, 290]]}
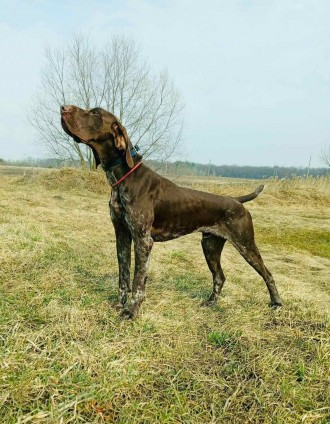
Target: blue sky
{"points": [[254, 75]]}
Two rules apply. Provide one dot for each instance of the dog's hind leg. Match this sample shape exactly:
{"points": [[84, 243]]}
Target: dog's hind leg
{"points": [[252, 256], [242, 237], [212, 247]]}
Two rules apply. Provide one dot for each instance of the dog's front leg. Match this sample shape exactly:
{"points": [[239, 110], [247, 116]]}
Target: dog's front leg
{"points": [[142, 248], [123, 244]]}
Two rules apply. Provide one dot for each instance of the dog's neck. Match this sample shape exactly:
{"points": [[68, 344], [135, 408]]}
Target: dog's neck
{"points": [[117, 172]]}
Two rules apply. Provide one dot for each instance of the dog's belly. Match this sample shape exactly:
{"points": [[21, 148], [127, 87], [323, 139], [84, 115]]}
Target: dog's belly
{"points": [[169, 229], [163, 234]]}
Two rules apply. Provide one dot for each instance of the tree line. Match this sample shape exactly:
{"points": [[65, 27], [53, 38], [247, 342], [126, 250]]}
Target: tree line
{"points": [[179, 168], [235, 171]]}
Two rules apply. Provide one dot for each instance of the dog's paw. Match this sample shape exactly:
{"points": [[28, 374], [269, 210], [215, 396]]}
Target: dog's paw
{"points": [[117, 306], [127, 313], [276, 305], [208, 303]]}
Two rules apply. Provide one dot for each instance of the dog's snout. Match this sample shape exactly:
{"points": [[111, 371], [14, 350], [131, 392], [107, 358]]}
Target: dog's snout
{"points": [[66, 109]]}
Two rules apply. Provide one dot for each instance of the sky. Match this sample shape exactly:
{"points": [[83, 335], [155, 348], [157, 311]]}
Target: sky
{"points": [[254, 75]]}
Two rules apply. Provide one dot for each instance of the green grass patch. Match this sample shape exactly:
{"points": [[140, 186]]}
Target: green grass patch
{"points": [[222, 339], [316, 242]]}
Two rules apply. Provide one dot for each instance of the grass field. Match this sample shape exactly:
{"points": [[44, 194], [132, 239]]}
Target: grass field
{"points": [[66, 356]]}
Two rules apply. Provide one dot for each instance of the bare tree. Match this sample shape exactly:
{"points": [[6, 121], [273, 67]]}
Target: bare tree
{"points": [[116, 78], [325, 155]]}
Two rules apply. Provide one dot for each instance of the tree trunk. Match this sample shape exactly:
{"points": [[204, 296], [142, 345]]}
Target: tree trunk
{"points": [[82, 160]]}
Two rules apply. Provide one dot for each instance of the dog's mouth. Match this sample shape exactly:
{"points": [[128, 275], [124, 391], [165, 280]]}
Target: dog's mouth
{"points": [[66, 113], [65, 117]]}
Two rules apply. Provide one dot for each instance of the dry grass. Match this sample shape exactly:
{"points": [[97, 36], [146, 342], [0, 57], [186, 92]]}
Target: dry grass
{"points": [[67, 357]]}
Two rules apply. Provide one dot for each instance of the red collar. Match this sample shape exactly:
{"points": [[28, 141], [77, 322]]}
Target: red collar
{"points": [[126, 175]]}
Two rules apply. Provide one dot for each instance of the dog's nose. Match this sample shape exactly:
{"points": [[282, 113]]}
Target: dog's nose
{"points": [[66, 109]]}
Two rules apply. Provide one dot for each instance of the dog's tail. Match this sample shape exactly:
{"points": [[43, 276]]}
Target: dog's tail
{"points": [[250, 196]]}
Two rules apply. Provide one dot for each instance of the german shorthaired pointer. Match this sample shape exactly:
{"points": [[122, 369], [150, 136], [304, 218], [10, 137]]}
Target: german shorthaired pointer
{"points": [[146, 207]]}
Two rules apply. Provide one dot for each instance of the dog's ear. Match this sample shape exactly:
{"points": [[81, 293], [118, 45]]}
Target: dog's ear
{"points": [[122, 141], [96, 156]]}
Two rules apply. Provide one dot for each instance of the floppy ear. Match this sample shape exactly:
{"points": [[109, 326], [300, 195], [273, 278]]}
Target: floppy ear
{"points": [[96, 156], [122, 142]]}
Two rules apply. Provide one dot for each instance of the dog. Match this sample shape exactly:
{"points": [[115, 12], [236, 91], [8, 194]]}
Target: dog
{"points": [[145, 208]]}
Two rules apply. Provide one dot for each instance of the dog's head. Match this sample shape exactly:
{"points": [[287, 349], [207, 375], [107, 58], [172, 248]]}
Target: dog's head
{"points": [[100, 130]]}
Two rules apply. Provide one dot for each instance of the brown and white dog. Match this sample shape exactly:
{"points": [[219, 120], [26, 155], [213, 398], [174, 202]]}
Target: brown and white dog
{"points": [[146, 207]]}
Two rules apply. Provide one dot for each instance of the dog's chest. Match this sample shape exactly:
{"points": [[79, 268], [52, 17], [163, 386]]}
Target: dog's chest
{"points": [[117, 206]]}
